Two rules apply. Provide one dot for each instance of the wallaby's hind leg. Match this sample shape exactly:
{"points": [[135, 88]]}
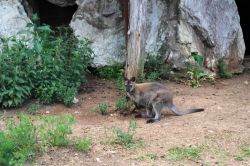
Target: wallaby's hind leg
{"points": [[147, 114], [157, 107]]}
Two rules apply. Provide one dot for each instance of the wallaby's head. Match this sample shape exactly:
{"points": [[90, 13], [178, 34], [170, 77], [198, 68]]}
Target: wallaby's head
{"points": [[129, 84]]}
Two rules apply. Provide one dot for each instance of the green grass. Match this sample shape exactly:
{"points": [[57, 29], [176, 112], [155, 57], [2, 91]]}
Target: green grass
{"points": [[181, 153], [126, 138], [245, 150], [103, 108], [83, 144]]}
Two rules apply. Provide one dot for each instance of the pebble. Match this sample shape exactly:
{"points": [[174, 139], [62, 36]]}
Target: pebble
{"points": [[246, 82]]}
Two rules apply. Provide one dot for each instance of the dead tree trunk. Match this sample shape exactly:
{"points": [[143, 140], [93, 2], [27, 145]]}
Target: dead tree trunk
{"points": [[136, 38]]}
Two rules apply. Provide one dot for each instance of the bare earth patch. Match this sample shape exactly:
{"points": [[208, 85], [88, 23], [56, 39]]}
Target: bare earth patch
{"points": [[220, 130]]}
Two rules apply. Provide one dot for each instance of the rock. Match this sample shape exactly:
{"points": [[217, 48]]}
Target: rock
{"points": [[211, 28], [101, 22], [75, 100], [246, 82], [13, 17]]}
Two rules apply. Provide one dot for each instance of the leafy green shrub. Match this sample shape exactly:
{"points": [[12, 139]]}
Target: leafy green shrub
{"points": [[24, 138], [33, 109], [51, 70], [83, 144], [155, 68], [111, 72], [55, 129], [223, 69], [125, 138], [121, 104], [196, 72], [103, 108], [15, 85], [18, 142]]}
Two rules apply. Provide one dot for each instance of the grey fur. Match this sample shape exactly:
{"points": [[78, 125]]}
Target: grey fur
{"points": [[155, 97]]}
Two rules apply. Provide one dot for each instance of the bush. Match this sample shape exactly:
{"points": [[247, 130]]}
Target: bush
{"points": [[83, 144], [155, 68], [121, 104], [223, 70], [103, 108], [126, 138], [24, 138], [196, 72], [51, 70]]}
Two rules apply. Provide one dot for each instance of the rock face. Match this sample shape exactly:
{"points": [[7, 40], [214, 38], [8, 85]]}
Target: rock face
{"points": [[211, 28], [174, 30], [101, 22], [13, 17]]}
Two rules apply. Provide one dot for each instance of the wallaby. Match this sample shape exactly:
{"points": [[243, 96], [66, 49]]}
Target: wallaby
{"points": [[155, 97]]}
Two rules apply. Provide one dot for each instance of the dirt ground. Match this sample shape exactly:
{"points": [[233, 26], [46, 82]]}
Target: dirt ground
{"points": [[220, 130]]}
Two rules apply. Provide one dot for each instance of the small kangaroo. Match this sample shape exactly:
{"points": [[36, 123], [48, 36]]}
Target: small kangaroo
{"points": [[155, 97]]}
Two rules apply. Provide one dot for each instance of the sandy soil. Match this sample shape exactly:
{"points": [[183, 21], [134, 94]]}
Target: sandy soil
{"points": [[220, 130]]}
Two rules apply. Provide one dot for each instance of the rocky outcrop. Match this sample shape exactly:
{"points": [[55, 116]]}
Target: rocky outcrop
{"points": [[174, 29], [13, 17], [101, 22], [211, 28]]}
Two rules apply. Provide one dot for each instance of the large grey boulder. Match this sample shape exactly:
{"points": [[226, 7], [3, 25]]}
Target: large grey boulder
{"points": [[12, 17], [101, 22], [209, 27]]}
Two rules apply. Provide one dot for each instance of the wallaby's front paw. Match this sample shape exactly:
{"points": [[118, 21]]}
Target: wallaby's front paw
{"points": [[138, 116]]}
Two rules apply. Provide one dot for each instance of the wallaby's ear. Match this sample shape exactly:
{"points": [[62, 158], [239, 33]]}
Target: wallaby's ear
{"points": [[132, 79]]}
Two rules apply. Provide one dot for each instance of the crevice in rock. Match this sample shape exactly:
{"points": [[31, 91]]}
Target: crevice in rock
{"points": [[49, 13], [243, 9]]}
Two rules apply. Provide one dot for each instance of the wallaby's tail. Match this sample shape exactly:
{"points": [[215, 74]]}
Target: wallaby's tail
{"points": [[183, 112]]}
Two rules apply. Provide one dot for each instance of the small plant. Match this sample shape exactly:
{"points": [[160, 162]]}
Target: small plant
{"points": [[196, 72], [33, 109], [126, 138], [103, 108], [121, 104], [111, 72], [239, 158], [179, 153], [150, 156], [155, 68], [245, 150], [83, 144], [24, 138], [223, 69]]}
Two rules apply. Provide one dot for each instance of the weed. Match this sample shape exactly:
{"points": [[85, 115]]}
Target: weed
{"points": [[196, 72], [155, 68], [111, 72], [33, 109], [179, 153], [25, 137], [103, 108], [245, 150], [223, 69], [121, 104], [82, 144], [149, 156], [239, 158], [126, 138]]}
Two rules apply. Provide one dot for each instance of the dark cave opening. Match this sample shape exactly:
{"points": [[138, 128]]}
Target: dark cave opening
{"points": [[49, 13], [243, 9], [54, 15]]}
